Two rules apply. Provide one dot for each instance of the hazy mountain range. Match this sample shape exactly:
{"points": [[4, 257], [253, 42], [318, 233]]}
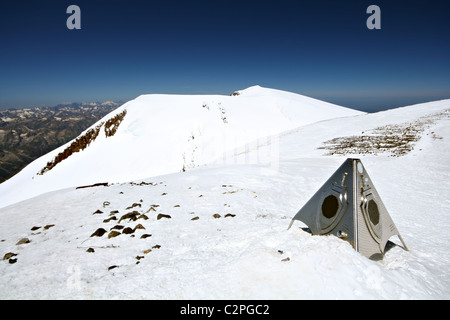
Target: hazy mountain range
{"points": [[26, 134]]}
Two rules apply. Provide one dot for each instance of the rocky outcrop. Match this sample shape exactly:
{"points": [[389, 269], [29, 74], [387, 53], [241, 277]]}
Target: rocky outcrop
{"points": [[83, 141]]}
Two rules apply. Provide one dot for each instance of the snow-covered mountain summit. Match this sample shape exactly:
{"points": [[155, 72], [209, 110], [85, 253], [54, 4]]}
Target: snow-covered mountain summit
{"points": [[159, 134], [219, 231]]}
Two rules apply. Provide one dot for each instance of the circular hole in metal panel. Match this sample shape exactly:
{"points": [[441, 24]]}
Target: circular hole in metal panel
{"points": [[374, 214], [330, 206]]}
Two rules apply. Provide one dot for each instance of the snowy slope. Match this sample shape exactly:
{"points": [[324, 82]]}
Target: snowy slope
{"points": [[161, 134], [227, 237]]}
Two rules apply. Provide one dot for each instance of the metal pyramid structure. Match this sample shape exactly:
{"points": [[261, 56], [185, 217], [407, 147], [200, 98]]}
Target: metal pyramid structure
{"points": [[349, 207]]}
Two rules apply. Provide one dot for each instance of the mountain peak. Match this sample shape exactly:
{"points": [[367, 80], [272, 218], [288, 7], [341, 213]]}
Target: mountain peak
{"points": [[163, 134]]}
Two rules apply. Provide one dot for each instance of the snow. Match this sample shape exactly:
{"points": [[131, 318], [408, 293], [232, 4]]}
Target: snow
{"points": [[251, 255], [163, 134]]}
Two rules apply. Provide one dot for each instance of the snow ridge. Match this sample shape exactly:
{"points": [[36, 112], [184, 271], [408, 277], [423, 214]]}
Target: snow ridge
{"points": [[396, 139], [160, 134], [219, 231]]}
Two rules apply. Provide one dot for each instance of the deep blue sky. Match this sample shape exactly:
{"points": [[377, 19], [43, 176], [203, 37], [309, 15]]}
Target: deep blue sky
{"points": [[322, 49]]}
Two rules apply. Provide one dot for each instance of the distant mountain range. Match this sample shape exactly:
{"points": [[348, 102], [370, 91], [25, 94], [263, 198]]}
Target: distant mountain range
{"points": [[26, 134]]}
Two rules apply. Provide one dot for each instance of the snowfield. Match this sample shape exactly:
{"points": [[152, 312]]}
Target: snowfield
{"points": [[219, 229], [162, 134]]}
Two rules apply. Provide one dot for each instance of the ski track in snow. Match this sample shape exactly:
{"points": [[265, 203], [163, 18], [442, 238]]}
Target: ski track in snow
{"points": [[227, 237]]}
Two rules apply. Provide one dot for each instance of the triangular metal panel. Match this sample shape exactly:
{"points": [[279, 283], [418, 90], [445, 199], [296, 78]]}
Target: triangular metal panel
{"points": [[349, 207]]}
